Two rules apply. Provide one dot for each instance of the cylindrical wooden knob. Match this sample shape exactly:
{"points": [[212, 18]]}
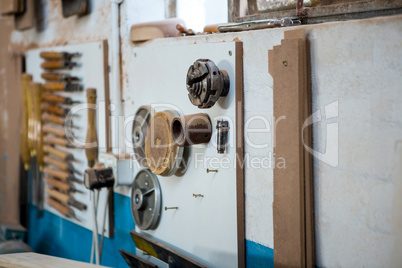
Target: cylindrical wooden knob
{"points": [[92, 139]]}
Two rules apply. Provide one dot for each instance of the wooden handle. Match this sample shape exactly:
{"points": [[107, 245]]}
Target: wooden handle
{"points": [[212, 28], [58, 195], [58, 184], [51, 55], [92, 138], [53, 64], [53, 109], [59, 153], [24, 147], [38, 134], [63, 175], [64, 210], [50, 118], [57, 141], [53, 130], [54, 86], [60, 164], [52, 98], [52, 76]]}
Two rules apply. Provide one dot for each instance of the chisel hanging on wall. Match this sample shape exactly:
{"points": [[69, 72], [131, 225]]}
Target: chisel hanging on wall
{"points": [[63, 165], [65, 199], [58, 77], [58, 153], [58, 64], [63, 186], [58, 120], [62, 175], [57, 99], [62, 86], [64, 210], [56, 55], [50, 108]]}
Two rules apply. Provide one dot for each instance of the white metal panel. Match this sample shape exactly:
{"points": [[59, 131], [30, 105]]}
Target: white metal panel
{"points": [[91, 72], [205, 227]]}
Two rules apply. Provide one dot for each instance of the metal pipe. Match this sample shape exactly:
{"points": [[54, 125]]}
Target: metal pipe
{"points": [[191, 129]]}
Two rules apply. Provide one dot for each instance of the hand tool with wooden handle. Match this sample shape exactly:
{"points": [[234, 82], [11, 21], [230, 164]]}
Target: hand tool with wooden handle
{"points": [[62, 86], [66, 199], [63, 186], [54, 109], [54, 130], [63, 165], [57, 64], [55, 55], [64, 210], [58, 77], [92, 139], [58, 153], [24, 148], [62, 175], [58, 120], [57, 99], [59, 141]]}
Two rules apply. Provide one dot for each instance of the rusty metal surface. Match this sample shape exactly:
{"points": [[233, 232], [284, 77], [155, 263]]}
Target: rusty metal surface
{"points": [[191, 129], [206, 83]]}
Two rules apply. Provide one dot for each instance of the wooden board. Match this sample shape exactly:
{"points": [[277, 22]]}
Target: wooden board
{"points": [[210, 228], [35, 260], [10, 103], [293, 189], [94, 74]]}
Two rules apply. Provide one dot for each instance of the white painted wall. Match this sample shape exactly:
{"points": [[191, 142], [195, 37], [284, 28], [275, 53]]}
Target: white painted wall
{"points": [[358, 64]]}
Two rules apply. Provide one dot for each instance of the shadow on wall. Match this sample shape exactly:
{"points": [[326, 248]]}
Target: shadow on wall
{"points": [[258, 255]]}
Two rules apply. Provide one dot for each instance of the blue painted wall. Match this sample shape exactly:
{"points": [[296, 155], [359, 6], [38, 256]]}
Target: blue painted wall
{"points": [[56, 236]]}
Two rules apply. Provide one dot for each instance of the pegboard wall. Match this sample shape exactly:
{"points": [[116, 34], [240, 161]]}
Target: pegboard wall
{"points": [[208, 227], [91, 72]]}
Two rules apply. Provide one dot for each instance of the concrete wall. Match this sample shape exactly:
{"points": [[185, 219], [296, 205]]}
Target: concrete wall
{"points": [[356, 65]]}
